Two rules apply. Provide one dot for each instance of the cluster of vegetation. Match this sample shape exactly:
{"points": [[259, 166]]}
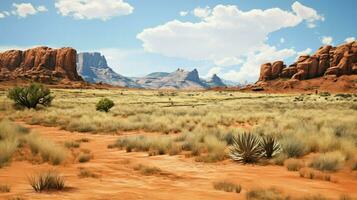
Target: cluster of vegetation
{"points": [[227, 186], [249, 148], [14, 138], [47, 181]]}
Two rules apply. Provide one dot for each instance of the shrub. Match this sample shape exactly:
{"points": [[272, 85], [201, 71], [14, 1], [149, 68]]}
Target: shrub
{"points": [[147, 170], [293, 164], [269, 146], [313, 174], [331, 161], [85, 173], [227, 187], [265, 194], [7, 148], [293, 147], [246, 148], [31, 96], [4, 188], [47, 181], [71, 144], [84, 157], [105, 105]]}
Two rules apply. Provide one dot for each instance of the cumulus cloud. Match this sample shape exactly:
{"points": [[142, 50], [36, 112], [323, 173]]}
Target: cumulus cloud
{"points": [[24, 9], [350, 39], [251, 67], [212, 71], [326, 40], [305, 52], [228, 61], [2, 15], [183, 13], [202, 12], [93, 9], [307, 13]]}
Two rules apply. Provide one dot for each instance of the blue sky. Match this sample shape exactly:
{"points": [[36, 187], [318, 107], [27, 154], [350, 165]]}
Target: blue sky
{"points": [[231, 38]]}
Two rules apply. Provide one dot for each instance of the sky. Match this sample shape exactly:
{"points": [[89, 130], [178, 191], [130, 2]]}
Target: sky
{"points": [[231, 38]]}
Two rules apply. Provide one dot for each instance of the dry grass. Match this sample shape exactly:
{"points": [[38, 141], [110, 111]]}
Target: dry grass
{"points": [[72, 144], [227, 186], [84, 157], [294, 164], [5, 188], [265, 194], [331, 161], [86, 173], [47, 181], [147, 170], [314, 174], [314, 124], [14, 137]]}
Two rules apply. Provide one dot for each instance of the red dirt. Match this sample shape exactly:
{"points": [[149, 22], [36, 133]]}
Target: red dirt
{"points": [[183, 177]]}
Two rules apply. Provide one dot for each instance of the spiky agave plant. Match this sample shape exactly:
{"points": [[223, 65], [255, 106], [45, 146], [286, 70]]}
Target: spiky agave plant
{"points": [[246, 148], [270, 146]]}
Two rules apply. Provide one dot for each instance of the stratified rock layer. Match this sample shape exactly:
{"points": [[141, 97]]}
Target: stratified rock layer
{"points": [[328, 60], [42, 64]]}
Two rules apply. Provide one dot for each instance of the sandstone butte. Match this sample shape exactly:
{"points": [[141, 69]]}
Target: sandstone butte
{"points": [[42, 64], [328, 60]]}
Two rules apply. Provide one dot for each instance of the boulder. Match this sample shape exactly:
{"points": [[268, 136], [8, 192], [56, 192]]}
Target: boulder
{"points": [[277, 68], [265, 72]]}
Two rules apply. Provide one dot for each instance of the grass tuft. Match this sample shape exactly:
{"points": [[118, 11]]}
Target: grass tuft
{"points": [[47, 181], [227, 187]]}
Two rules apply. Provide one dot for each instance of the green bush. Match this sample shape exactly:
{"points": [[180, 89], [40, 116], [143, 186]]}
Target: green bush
{"points": [[31, 96], [246, 148], [105, 105]]}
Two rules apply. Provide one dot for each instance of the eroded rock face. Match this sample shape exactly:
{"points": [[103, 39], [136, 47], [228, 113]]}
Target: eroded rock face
{"points": [[41, 64], [328, 60]]}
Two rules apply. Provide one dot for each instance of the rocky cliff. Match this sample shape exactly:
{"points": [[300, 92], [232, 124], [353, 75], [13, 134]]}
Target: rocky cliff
{"points": [[93, 68], [179, 79], [41, 64], [328, 60]]}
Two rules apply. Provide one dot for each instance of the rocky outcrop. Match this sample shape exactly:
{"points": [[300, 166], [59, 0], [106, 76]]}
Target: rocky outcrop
{"points": [[179, 79], [328, 60], [42, 64], [93, 68]]}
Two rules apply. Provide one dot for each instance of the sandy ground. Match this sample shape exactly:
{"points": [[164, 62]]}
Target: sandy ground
{"points": [[182, 178]]}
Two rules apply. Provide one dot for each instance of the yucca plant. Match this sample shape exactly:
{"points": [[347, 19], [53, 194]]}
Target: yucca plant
{"points": [[269, 146], [46, 181], [246, 148], [31, 96]]}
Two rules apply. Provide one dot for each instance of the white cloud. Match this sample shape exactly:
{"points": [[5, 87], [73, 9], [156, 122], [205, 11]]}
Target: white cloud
{"points": [[350, 39], [212, 71], [307, 13], [2, 15], [93, 9], [228, 61], [202, 12], [226, 32], [305, 52], [251, 67], [42, 9], [282, 40], [24, 9], [6, 13], [183, 13], [326, 40]]}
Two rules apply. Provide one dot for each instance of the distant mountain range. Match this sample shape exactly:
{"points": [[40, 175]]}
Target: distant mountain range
{"points": [[93, 68]]}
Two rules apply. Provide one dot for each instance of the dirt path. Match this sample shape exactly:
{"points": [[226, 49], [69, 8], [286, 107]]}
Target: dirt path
{"points": [[183, 178]]}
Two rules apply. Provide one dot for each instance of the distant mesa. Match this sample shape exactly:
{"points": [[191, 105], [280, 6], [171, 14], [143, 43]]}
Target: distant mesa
{"points": [[93, 68], [328, 60], [179, 79], [42, 64]]}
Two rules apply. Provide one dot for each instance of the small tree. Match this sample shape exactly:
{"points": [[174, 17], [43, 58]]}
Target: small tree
{"points": [[105, 105], [31, 96]]}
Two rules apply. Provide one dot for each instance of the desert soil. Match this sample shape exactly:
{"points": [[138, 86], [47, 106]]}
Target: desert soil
{"points": [[182, 178]]}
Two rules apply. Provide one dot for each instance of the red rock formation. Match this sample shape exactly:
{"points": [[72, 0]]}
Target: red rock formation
{"points": [[328, 60], [41, 64]]}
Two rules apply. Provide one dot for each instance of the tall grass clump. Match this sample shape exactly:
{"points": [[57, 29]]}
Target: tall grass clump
{"points": [[31, 96], [246, 148], [49, 151], [227, 186], [293, 147], [47, 181], [270, 146], [330, 161], [265, 194]]}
